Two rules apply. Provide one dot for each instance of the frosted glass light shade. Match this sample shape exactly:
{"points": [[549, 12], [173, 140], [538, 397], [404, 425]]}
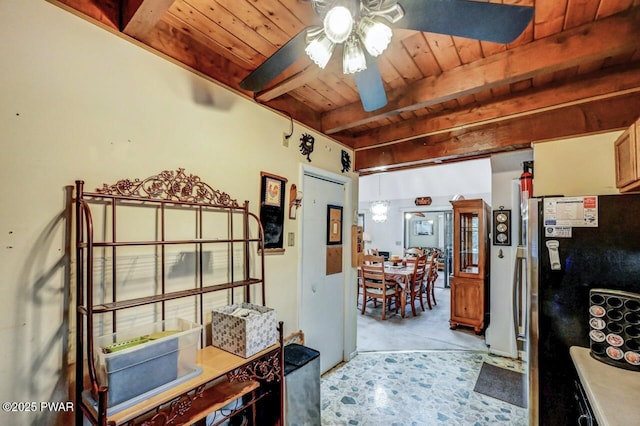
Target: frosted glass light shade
{"points": [[320, 50], [353, 59], [375, 35], [379, 210], [338, 24]]}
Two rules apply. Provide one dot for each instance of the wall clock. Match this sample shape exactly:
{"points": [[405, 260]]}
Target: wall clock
{"points": [[502, 227]]}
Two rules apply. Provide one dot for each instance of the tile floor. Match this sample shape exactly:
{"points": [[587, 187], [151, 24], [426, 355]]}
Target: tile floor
{"points": [[414, 388], [415, 371]]}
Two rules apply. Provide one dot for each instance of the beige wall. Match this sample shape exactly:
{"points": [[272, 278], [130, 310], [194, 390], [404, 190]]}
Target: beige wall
{"points": [[577, 166], [80, 103]]}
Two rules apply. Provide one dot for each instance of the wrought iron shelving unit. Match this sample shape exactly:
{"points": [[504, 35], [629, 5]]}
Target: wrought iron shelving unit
{"points": [[188, 402]]}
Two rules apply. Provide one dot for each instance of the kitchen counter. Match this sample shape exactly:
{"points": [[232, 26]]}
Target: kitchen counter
{"points": [[612, 392]]}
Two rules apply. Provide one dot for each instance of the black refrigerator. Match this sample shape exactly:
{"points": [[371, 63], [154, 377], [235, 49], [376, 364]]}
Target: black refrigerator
{"points": [[574, 244]]}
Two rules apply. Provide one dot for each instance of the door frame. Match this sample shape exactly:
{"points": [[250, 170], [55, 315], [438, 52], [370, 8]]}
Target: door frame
{"points": [[350, 217], [448, 260]]}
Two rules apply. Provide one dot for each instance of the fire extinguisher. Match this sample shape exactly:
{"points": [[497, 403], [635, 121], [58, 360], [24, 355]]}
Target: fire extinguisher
{"points": [[526, 182]]}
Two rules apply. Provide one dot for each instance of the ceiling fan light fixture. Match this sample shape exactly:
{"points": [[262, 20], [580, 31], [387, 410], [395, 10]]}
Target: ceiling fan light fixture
{"points": [[320, 50], [392, 13], [353, 58], [338, 24], [375, 35]]}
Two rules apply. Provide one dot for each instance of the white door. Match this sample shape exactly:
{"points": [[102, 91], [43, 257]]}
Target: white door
{"points": [[322, 295]]}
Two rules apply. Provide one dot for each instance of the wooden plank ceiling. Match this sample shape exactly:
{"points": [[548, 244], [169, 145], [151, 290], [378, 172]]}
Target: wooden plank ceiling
{"points": [[575, 70]]}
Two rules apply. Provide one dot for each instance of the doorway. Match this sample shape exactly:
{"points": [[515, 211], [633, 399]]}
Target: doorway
{"points": [[323, 289], [431, 229], [429, 329]]}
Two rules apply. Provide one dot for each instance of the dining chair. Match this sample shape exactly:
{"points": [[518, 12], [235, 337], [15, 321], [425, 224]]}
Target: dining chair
{"points": [[432, 276], [376, 285], [437, 253], [417, 281], [413, 252], [376, 252], [384, 254]]}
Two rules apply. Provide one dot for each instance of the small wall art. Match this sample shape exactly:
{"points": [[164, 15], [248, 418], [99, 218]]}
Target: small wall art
{"points": [[306, 145], [334, 225], [272, 191], [346, 161]]}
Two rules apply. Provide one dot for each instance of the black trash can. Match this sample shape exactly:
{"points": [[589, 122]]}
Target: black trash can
{"points": [[302, 385]]}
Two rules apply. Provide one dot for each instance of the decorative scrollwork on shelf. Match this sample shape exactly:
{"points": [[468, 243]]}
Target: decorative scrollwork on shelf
{"points": [[170, 186], [175, 409], [266, 368]]}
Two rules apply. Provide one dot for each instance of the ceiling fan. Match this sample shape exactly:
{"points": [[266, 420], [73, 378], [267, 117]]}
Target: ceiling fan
{"points": [[364, 29]]}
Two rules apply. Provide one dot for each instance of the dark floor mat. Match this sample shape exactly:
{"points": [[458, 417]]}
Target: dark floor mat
{"points": [[500, 383]]}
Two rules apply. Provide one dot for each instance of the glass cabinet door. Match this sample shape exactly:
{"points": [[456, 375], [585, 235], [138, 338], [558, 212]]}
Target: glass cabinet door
{"points": [[468, 244], [448, 247], [470, 238]]}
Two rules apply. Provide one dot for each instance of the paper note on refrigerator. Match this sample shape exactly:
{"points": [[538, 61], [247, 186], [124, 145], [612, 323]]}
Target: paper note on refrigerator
{"points": [[571, 211], [557, 231]]}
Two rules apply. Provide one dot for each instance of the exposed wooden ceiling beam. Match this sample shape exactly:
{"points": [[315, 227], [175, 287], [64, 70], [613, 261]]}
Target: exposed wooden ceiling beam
{"points": [[296, 110], [104, 12], [307, 71], [597, 40], [602, 85], [440, 161], [297, 80], [139, 17], [576, 120]]}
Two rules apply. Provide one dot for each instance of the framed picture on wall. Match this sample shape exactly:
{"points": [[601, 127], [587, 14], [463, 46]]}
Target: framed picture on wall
{"points": [[334, 225], [272, 190], [423, 227]]}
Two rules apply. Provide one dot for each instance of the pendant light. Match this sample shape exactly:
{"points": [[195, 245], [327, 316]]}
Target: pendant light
{"points": [[379, 208]]}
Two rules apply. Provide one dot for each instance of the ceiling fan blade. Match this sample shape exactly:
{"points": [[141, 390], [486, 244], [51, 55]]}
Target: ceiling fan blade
{"points": [[370, 86], [500, 23], [276, 63]]}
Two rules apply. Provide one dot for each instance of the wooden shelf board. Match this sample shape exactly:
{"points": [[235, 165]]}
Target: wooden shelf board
{"points": [[215, 398], [215, 363]]}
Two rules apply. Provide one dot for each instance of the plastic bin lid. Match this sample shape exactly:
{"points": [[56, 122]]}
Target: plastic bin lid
{"points": [[296, 355]]}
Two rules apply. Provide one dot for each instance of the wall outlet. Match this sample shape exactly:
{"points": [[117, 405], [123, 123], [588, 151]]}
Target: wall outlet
{"points": [[285, 139]]}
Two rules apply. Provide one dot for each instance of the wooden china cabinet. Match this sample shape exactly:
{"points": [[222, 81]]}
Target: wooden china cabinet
{"points": [[470, 279]]}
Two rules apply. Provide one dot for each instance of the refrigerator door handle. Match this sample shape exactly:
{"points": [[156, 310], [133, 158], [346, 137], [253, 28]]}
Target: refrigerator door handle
{"points": [[519, 285]]}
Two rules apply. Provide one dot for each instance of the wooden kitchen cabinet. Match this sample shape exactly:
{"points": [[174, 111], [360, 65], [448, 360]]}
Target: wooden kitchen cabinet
{"points": [[627, 152], [470, 280]]}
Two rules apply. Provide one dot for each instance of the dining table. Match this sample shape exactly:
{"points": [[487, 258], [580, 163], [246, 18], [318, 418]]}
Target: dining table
{"points": [[401, 273]]}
